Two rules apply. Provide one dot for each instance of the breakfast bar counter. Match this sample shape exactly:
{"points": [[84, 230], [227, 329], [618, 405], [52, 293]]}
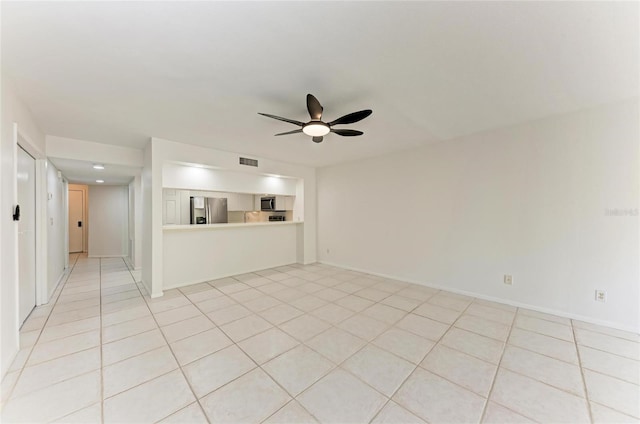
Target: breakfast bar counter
{"points": [[198, 227], [204, 252]]}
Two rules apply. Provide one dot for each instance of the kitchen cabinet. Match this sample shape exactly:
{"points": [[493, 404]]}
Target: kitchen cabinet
{"points": [[239, 202], [288, 202], [175, 207], [283, 203], [170, 207]]}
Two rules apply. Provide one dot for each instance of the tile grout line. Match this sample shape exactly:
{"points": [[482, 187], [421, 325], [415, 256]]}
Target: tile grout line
{"points": [[67, 379], [582, 376], [335, 366], [603, 333], [101, 351], [303, 343], [32, 347], [367, 343], [236, 344], [175, 358], [421, 360], [513, 325], [495, 375]]}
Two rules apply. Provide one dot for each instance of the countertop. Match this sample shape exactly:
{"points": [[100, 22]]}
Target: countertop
{"points": [[195, 227]]}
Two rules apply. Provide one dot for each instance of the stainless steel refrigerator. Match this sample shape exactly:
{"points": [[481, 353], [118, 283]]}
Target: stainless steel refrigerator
{"points": [[208, 210]]}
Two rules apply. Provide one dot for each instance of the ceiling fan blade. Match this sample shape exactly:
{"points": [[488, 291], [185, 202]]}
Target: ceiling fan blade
{"points": [[279, 118], [352, 117], [317, 139], [347, 133], [290, 132], [314, 107]]}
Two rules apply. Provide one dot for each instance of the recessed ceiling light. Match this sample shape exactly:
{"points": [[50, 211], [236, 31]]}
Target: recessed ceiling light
{"points": [[98, 166], [99, 181]]}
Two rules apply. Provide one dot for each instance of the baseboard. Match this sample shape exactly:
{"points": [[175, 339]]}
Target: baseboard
{"points": [[509, 302], [106, 256], [61, 278], [127, 261], [147, 289]]}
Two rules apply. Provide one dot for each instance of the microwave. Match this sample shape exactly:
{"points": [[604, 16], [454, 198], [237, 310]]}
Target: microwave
{"points": [[268, 204]]}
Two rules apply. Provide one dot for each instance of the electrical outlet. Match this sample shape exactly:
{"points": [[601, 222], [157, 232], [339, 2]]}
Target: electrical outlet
{"points": [[601, 296], [508, 279]]}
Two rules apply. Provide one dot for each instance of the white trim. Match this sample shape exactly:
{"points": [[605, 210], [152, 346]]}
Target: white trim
{"points": [[146, 290], [127, 260], [493, 299], [65, 214], [130, 264], [42, 295], [16, 242], [40, 215], [107, 256]]}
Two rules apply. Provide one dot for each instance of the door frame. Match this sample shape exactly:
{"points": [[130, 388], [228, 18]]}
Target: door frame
{"points": [[23, 141], [85, 210], [83, 246], [65, 206]]}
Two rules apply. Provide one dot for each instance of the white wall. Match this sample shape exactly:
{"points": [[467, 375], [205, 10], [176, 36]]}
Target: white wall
{"points": [[529, 200], [135, 221], [56, 216], [159, 153], [12, 111], [108, 226], [70, 148], [147, 217], [206, 179]]}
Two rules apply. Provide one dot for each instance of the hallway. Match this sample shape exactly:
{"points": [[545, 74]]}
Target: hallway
{"points": [[308, 344]]}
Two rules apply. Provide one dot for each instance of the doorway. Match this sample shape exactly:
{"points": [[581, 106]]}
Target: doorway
{"points": [[77, 220], [26, 185]]}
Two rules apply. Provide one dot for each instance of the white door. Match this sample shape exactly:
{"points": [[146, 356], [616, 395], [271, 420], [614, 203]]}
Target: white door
{"points": [[76, 221], [26, 176]]}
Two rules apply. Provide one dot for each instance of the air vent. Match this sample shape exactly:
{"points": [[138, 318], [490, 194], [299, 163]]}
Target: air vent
{"points": [[249, 162]]}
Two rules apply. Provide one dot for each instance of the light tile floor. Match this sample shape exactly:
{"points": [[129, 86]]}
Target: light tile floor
{"points": [[312, 343]]}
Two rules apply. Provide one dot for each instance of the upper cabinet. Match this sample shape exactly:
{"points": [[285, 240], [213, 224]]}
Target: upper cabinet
{"points": [[239, 202], [288, 202], [283, 203], [175, 207]]}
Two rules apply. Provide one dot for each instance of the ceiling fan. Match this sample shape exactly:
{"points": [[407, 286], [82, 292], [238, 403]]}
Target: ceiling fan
{"points": [[316, 128]]}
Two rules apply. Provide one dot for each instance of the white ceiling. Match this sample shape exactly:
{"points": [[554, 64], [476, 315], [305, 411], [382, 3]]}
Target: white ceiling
{"points": [[198, 72], [82, 172]]}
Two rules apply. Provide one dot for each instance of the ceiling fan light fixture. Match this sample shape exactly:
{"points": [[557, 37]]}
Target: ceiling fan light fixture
{"points": [[316, 129]]}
